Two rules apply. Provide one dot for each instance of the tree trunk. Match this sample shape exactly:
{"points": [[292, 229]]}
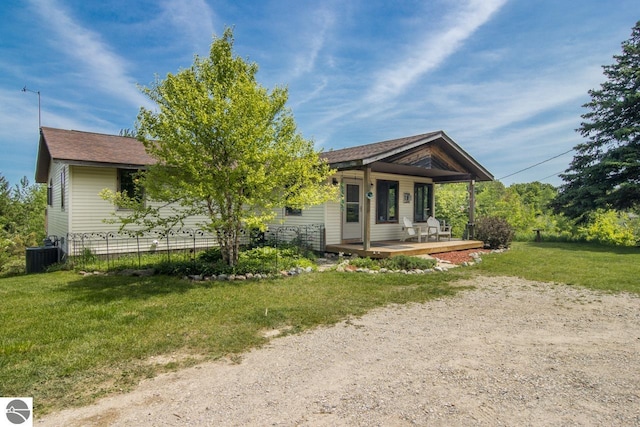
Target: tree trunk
{"points": [[229, 239]]}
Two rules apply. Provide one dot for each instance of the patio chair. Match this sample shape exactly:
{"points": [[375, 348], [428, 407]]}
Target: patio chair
{"points": [[437, 229], [411, 231]]}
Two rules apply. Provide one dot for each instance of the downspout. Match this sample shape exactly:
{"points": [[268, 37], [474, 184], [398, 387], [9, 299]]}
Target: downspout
{"points": [[366, 241]]}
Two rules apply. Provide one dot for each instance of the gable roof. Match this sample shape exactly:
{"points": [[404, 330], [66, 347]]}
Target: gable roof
{"points": [[87, 148], [432, 154]]}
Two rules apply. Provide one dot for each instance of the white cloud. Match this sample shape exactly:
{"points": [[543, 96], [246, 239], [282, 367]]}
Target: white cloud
{"points": [[103, 69], [438, 45], [194, 18], [489, 107], [306, 60]]}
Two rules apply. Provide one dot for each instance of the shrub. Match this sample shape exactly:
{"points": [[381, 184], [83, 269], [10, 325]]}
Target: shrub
{"points": [[609, 228], [270, 260], [211, 255], [190, 267], [365, 263], [494, 232], [400, 262], [404, 262]]}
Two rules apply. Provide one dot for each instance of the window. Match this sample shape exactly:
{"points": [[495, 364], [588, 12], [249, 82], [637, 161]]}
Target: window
{"points": [[128, 184], [50, 193], [63, 179], [292, 211], [387, 201], [422, 195], [352, 203]]}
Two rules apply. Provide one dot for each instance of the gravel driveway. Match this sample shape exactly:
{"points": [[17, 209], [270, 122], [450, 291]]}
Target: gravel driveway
{"points": [[510, 352]]}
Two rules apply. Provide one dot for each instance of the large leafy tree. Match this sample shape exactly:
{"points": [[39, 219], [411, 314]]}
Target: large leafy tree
{"points": [[227, 148], [22, 216], [605, 172]]}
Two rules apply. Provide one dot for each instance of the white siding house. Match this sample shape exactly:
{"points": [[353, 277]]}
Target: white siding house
{"points": [[383, 182], [380, 184]]}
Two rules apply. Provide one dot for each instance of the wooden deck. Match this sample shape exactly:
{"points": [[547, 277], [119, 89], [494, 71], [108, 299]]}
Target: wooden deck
{"points": [[394, 247]]}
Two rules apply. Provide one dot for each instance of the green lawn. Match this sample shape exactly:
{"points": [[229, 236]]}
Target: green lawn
{"points": [[67, 339], [593, 266]]}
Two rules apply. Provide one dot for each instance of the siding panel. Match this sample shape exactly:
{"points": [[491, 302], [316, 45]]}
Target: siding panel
{"points": [[58, 218]]}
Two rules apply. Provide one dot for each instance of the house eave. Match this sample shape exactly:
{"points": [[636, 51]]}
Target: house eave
{"points": [[43, 162], [354, 164], [102, 164], [468, 168], [402, 149]]}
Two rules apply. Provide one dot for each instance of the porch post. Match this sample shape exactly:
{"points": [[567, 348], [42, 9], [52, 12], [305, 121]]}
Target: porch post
{"points": [[366, 241], [472, 208]]}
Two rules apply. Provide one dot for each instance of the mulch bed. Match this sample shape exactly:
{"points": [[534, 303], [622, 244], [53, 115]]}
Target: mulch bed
{"points": [[458, 257]]}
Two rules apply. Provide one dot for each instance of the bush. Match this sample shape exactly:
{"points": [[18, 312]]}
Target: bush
{"points": [[495, 232], [190, 267], [609, 228], [400, 262], [404, 262], [365, 263], [270, 260], [256, 260], [211, 255]]}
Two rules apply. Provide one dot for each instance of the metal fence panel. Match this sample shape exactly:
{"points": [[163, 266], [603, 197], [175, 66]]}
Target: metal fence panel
{"points": [[185, 243]]}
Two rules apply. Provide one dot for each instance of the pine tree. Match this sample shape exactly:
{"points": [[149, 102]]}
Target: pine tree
{"points": [[605, 172]]}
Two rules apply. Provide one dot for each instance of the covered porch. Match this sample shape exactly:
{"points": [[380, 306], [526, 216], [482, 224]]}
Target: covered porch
{"points": [[387, 182], [390, 248]]}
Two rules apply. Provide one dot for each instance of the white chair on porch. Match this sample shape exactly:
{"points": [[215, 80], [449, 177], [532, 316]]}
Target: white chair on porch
{"points": [[411, 231], [437, 229]]}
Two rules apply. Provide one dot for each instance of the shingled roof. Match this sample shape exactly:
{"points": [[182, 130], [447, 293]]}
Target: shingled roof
{"points": [[87, 148], [432, 154], [443, 160], [374, 150]]}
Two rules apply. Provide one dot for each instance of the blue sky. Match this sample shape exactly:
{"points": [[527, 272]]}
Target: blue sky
{"points": [[506, 79]]}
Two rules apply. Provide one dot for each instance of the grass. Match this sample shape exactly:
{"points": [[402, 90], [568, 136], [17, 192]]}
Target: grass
{"points": [[593, 266], [67, 340]]}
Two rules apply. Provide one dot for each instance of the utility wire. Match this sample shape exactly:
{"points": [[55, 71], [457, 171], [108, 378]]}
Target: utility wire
{"points": [[537, 164], [552, 175]]}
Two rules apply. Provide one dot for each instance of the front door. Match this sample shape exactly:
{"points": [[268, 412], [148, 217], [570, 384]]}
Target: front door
{"points": [[352, 212]]}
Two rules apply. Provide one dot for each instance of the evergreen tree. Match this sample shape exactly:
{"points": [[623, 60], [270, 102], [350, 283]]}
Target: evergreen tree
{"points": [[605, 172]]}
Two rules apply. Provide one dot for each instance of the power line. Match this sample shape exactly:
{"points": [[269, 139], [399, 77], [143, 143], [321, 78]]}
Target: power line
{"points": [[537, 164], [551, 176]]}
